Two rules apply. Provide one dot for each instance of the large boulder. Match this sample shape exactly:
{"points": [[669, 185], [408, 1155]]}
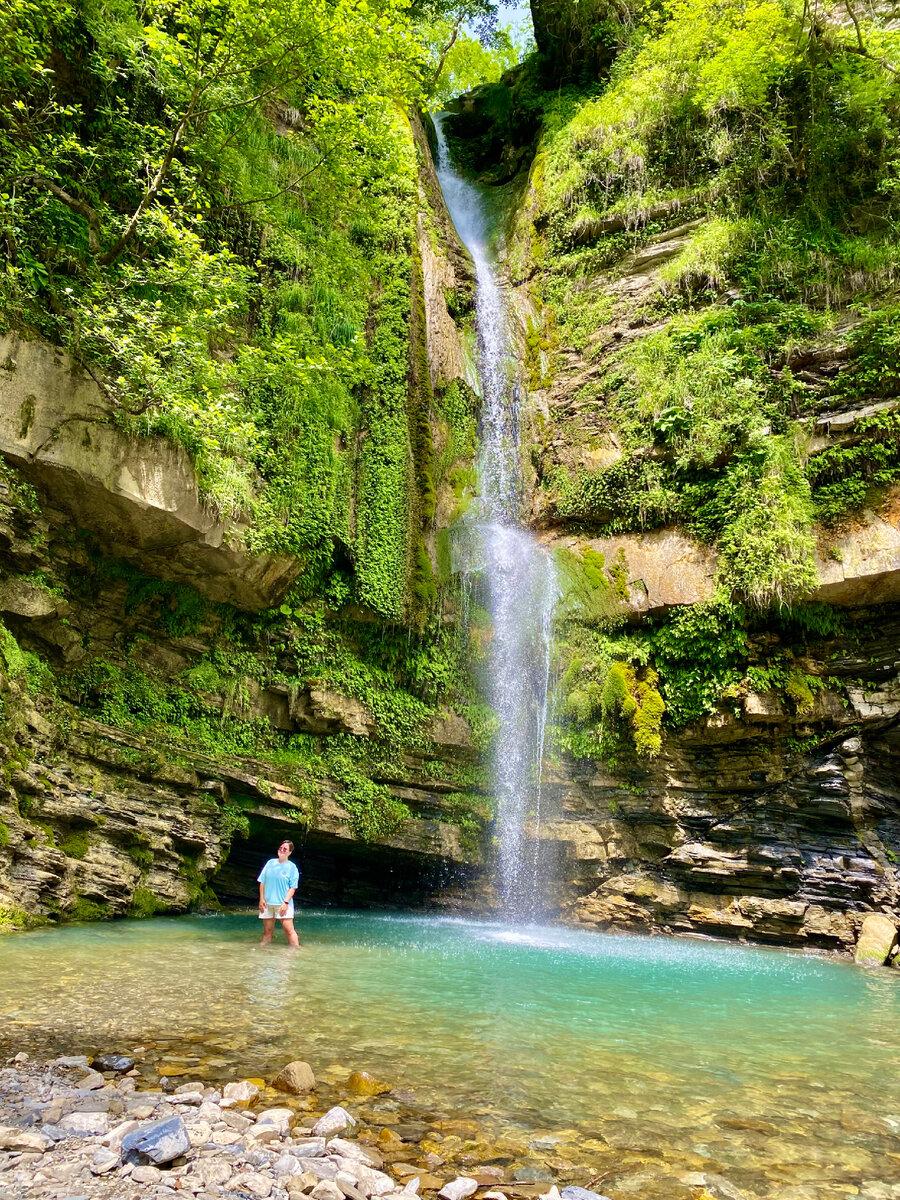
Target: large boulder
{"points": [[297, 1077], [877, 940]]}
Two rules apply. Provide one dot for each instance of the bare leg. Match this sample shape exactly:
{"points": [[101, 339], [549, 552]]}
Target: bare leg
{"points": [[268, 930], [290, 932]]}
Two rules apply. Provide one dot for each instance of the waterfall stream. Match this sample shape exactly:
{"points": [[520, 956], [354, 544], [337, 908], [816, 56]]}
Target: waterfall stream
{"points": [[520, 584]]}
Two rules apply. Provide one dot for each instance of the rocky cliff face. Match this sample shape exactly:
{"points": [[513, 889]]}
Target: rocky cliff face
{"points": [[165, 716], [722, 766]]}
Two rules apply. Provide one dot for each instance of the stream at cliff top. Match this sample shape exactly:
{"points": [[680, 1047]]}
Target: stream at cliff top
{"points": [[647, 1057]]}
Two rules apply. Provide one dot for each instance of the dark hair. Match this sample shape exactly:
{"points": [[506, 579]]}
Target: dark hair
{"points": [[286, 842]]}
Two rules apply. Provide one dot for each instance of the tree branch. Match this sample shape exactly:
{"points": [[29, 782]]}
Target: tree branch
{"points": [[78, 206], [446, 50]]}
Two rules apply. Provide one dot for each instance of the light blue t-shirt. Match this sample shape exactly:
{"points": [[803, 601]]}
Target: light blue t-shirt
{"points": [[277, 879]]}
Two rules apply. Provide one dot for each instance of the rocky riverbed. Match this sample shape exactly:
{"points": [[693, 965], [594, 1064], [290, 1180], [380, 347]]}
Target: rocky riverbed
{"points": [[79, 1128]]}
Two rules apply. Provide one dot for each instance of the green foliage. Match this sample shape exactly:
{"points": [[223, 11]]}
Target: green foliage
{"points": [[225, 244], [843, 478], [235, 823], [4, 834], [699, 653], [374, 812]]}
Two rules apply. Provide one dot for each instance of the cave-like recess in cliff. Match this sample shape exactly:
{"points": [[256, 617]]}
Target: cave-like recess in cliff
{"points": [[334, 870]]}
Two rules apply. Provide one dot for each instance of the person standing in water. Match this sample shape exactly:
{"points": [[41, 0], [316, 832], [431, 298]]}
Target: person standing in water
{"points": [[278, 881]]}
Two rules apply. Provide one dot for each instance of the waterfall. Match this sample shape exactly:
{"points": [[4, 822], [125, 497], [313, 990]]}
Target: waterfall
{"points": [[520, 584]]}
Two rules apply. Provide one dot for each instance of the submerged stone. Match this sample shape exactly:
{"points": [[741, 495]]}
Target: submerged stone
{"points": [[120, 1063], [361, 1083]]}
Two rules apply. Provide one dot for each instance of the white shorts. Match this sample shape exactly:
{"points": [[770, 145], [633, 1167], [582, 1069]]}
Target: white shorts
{"points": [[271, 912]]}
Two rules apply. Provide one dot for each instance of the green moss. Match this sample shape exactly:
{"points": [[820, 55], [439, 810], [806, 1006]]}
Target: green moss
{"points": [[140, 853], [4, 835], [75, 844], [145, 904], [88, 910], [12, 920]]}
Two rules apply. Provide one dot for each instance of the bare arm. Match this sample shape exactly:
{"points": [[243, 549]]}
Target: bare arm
{"points": [[262, 897], [288, 898]]}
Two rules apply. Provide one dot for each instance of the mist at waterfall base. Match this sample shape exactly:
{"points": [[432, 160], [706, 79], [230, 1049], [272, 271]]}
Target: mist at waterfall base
{"points": [[772, 1068], [519, 584]]}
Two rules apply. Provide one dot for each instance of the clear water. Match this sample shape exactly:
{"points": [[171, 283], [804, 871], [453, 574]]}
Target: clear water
{"points": [[518, 573], [649, 1058]]}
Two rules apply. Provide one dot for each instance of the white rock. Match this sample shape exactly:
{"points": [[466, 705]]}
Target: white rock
{"points": [[326, 1189], [280, 1118], [225, 1137], [414, 1183], [252, 1182], [335, 1121], [345, 1149], [146, 1174], [114, 1137], [92, 1081], [372, 1182], [553, 1194], [103, 1161], [263, 1133], [312, 1147], [241, 1093], [199, 1132], [210, 1171], [287, 1164], [85, 1124], [72, 1061], [459, 1188], [494, 1196]]}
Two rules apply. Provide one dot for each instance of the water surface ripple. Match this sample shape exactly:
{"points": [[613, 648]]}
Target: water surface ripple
{"points": [[777, 1070]]}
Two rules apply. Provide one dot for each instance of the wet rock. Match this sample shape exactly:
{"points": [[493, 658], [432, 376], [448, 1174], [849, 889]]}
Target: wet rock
{"points": [[361, 1083], [580, 1193], [458, 1189], [73, 1062], [119, 1063], [158, 1143], [335, 1121], [92, 1082], [877, 939], [297, 1078], [241, 1094]]}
